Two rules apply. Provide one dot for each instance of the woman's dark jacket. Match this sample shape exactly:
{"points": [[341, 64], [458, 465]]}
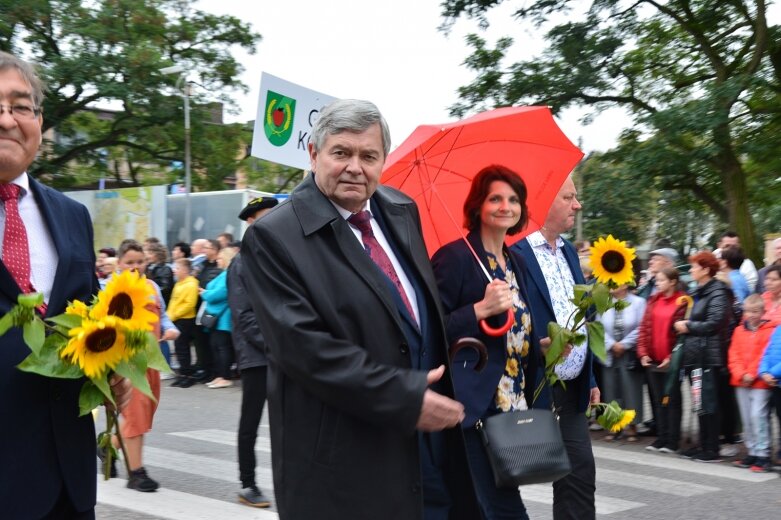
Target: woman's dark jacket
{"points": [[163, 276], [706, 343]]}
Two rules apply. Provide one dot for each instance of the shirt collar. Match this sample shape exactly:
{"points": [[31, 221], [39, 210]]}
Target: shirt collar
{"points": [[23, 181], [537, 239], [346, 213]]}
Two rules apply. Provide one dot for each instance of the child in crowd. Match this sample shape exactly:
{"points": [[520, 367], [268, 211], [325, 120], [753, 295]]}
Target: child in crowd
{"points": [[182, 310], [753, 393], [138, 415], [770, 367]]}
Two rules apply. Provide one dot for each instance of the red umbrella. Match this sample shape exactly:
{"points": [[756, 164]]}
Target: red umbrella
{"points": [[435, 165]]}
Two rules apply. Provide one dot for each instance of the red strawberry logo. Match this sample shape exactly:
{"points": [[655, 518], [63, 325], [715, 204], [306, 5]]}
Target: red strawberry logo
{"points": [[278, 116]]}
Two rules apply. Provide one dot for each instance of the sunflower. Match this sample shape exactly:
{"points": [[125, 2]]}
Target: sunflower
{"points": [[611, 261], [77, 308], [125, 297], [627, 416], [97, 346]]}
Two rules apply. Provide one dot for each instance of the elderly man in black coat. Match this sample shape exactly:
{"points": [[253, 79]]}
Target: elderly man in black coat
{"points": [[251, 361], [363, 423]]}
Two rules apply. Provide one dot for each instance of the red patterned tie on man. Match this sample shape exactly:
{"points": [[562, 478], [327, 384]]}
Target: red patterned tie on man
{"points": [[16, 252], [362, 220]]}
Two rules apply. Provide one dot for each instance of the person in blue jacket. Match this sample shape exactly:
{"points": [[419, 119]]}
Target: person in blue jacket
{"points": [[216, 297], [770, 371]]}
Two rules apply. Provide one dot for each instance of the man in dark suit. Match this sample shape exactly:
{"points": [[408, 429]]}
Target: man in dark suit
{"points": [[360, 407], [551, 270], [47, 452], [251, 362]]}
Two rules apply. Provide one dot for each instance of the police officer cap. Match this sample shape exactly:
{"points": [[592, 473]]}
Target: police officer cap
{"points": [[256, 205]]}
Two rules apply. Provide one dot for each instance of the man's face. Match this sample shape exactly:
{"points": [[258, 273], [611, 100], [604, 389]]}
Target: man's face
{"points": [[176, 253], [726, 242], [19, 139], [210, 251], [658, 262], [561, 216], [348, 166], [257, 215], [223, 240]]}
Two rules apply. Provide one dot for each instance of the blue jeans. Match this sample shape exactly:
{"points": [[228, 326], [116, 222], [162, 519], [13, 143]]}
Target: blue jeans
{"points": [[495, 503]]}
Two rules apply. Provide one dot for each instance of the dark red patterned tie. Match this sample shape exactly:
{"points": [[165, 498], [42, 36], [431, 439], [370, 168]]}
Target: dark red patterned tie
{"points": [[362, 220], [16, 252]]}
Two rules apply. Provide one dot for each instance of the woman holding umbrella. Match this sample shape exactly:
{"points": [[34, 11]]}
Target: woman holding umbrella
{"points": [[495, 207]]}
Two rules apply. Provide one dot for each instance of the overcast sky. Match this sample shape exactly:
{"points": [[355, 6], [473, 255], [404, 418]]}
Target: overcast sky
{"points": [[388, 52]]}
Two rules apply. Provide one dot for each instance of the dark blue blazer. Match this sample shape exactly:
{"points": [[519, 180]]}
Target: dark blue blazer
{"points": [[542, 314], [461, 284], [44, 445]]}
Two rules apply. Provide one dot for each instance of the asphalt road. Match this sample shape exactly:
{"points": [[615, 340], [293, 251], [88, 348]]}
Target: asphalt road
{"points": [[192, 453]]}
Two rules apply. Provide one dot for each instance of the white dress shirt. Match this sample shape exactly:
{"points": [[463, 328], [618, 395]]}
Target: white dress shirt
{"points": [[43, 253], [380, 236]]}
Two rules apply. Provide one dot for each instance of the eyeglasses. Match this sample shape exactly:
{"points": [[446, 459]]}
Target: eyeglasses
{"points": [[21, 111]]}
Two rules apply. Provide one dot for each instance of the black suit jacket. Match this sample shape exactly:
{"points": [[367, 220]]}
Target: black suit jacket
{"points": [[542, 314], [44, 444], [344, 399]]}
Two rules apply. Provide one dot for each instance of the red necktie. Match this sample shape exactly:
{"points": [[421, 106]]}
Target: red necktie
{"points": [[362, 220], [16, 252]]}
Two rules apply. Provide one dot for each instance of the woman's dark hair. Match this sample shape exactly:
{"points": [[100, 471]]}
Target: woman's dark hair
{"points": [[481, 184], [159, 252], [671, 273], [108, 251], [706, 260], [733, 256], [184, 247], [774, 268]]}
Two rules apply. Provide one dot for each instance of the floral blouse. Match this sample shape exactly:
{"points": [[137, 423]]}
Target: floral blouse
{"points": [[509, 394]]}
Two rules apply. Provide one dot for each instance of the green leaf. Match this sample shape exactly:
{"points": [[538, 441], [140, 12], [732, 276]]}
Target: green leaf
{"points": [[596, 339], [31, 300], [102, 384], [136, 375], [578, 339], [69, 321], [560, 337], [155, 358], [601, 295], [579, 291], [6, 322], [49, 363], [90, 398], [34, 335]]}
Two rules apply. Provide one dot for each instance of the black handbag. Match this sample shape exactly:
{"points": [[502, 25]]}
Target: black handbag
{"points": [[204, 319], [524, 447]]}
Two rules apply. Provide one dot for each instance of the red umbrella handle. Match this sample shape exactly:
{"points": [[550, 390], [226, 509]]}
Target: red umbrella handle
{"points": [[490, 331]]}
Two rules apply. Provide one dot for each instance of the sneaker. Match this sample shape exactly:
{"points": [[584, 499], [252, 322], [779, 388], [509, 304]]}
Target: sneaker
{"points": [[668, 449], [691, 452], [102, 456], [761, 465], [253, 497], [656, 446], [222, 383], [728, 450], [140, 481], [707, 456], [166, 375], [745, 462]]}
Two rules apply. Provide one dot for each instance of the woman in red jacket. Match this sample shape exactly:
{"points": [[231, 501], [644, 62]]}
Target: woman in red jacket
{"points": [[656, 339]]}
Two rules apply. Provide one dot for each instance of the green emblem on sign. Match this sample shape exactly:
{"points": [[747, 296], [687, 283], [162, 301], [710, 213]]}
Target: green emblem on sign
{"points": [[278, 120]]}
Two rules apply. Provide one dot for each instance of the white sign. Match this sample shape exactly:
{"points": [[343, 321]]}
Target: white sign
{"points": [[283, 126]]}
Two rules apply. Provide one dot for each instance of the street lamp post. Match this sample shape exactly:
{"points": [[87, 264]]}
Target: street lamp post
{"points": [[178, 69]]}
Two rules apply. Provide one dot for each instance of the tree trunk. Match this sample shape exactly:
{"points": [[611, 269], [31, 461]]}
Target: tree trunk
{"points": [[736, 194]]}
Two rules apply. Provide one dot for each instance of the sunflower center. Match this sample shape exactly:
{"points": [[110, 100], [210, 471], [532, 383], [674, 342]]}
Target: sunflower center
{"points": [[121, 306], [613, 262], [101, 340]]}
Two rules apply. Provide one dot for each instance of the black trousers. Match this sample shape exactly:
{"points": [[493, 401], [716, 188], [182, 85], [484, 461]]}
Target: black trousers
{"points": [[203, 352], [64, 510], [573, 495], [253, 397], [668, 418], [728, 407], [186, 328], [222, 352], [709, 422]]}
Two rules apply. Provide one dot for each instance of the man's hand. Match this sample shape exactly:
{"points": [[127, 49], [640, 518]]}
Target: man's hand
{"points": [[618, 350], [438, 411], [595, 395], [122, 390], [645, 361], [664, 364], [746, 380]]}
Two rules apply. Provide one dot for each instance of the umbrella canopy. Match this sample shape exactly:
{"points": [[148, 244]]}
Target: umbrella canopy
{"points": [[436, 164]]}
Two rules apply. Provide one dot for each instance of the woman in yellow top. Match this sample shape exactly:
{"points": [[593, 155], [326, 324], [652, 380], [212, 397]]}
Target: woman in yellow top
{"points": [[182, 310]]}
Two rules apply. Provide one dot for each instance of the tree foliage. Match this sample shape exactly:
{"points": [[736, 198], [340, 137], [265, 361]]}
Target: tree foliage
{"points": [[107, 54], [700, 78]]}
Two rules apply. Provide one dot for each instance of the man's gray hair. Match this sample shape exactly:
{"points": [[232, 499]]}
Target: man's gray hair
{"points": [[349, 115], [9, 61]]}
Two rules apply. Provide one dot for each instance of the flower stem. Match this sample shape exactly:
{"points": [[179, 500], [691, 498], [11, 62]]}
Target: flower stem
{"points": [[119, 439]]}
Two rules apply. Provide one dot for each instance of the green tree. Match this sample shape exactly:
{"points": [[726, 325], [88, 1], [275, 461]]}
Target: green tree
{"points": [[700, 78], [108, 53]]}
